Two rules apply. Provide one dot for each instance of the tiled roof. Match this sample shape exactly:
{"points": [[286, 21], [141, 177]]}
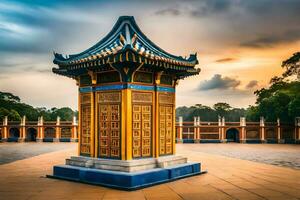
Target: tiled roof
{"points": [[125, 36]]}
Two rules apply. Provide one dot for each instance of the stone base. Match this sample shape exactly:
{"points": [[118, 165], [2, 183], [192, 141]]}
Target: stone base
{"points": [[223, 141], [179, 140], [39, 140], [264, 141], [74, 140], [210, 141], [280, 141], [64, 140], [126, 174], [125, 165], [196, 140], [48, 139], [243, 141], [297, 141], [125, 180], [3, 140], [55, 140]]}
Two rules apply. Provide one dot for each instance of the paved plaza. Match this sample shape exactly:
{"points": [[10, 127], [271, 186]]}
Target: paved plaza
{"points": [[232, 174]]}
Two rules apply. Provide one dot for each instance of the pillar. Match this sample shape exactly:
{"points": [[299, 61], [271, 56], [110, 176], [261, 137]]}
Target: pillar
{"points": [[74, 137], [22, 129], [40, 124], [297, 129], [243, 129], [195, 129], [262, 130], [198, 129], [223, 139], [279, 139], [5, 129], [180, 130], [57, 130]]}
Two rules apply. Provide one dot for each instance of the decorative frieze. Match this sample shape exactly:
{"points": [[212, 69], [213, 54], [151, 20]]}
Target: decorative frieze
{"points": [[141, 97], [166, 98], [109, 97]]}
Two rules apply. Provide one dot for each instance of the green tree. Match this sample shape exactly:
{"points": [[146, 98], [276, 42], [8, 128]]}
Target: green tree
{"points": [[281, 99], [9, 97], [3, 112], [222, 109], [292, 66], [65, 114], [294, 107], [14, 115]]}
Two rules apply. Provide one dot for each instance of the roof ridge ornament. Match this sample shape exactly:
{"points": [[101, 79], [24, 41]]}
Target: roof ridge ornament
{"points": [[127, 35]]}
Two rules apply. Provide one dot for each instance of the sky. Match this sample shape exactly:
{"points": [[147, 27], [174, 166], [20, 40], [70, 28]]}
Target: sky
{"points": [[240, 44]]}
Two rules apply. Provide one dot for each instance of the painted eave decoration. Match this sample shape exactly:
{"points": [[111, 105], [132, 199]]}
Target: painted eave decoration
{"points": [[124, 43]]}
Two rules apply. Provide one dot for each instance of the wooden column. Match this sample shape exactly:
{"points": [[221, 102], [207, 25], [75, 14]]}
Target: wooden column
{"points": [[126, 125]]}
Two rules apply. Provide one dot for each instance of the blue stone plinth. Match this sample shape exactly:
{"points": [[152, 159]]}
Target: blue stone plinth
{"points": [[125, 180]]}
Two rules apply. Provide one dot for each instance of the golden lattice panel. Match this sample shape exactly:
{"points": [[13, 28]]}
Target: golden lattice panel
{"points": [[141, 97], [85, 141], [166, 129], [109, 124], [141, 130]]}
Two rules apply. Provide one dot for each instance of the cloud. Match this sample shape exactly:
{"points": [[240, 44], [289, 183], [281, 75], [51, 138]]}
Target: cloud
{"points": [[209, 7], [252, 84], [270, 40], [222, 60], [220, 83], [169, 11]]}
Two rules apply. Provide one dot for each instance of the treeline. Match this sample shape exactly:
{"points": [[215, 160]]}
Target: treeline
{"points": [[11, 106], [210, 113], [280, 100]]}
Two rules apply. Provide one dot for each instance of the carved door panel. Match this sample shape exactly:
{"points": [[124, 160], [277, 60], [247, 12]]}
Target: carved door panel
{"points": [[141, 131], [109, 130], [165, 130], [85, 143]]}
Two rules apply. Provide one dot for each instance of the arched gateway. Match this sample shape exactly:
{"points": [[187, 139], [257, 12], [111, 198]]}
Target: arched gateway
{"points": [[127, 106], [232, 135], [14, 134], [31, 134]]}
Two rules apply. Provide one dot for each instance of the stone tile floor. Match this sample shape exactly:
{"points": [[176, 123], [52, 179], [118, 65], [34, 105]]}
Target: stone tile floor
{"points": [[227, 178], [286, 155], [12, 151]]}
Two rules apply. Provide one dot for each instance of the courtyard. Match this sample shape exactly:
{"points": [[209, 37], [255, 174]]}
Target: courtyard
{"points": [[235, 171]]}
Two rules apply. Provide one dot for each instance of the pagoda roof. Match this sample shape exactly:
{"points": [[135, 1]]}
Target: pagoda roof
{"points": [[124, 37]]}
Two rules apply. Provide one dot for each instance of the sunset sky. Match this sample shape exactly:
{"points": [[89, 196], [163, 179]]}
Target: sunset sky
{"points": [[240, 43]]}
